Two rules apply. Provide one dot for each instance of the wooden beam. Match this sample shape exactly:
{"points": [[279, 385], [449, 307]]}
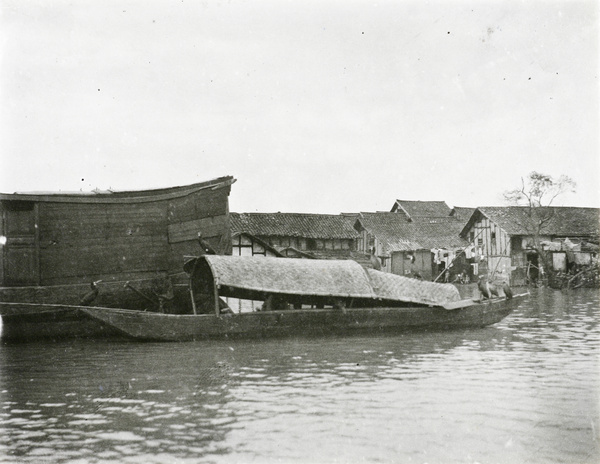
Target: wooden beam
{"points": [[216, 294]]}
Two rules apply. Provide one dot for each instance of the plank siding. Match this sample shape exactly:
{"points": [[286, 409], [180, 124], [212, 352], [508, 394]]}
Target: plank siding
{"points": [[197, 206], [123, 255], [97, 221], [497, 251], [78, 241], [209, 227]]}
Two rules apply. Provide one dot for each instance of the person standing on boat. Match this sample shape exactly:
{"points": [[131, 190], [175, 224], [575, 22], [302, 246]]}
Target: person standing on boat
{"points": [[205, 246]]}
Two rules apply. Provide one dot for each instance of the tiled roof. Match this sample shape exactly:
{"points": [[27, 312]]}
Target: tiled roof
{"points": [[317, 226], [563, 221], [463, 213], [361, 258], [394, 233], [421, 209]]}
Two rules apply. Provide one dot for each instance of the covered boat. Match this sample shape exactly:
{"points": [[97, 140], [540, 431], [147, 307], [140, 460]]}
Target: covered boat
{"points": [[284, 281], [53, 245], [303, 297]]}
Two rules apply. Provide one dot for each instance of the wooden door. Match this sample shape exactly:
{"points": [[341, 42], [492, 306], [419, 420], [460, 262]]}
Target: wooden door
{"points": [[20, 251]]}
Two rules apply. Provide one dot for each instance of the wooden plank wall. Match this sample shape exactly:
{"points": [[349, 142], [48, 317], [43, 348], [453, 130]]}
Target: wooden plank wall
{"points": [[100, 239], [423, 264], [83, 242], [495, 246], [3, 238]]}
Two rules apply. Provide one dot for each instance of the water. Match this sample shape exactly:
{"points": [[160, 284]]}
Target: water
{"points": [[523, 391]]}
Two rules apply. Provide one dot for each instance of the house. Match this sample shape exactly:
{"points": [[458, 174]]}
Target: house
{"points": [[245, 244], [48, 239], [462, 213], [504, 236], [418, 246], [291, 235], [421, 210], [322, 236]]}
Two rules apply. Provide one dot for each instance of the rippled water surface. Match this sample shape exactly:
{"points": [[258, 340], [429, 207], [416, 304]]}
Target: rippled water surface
{"points": [[523, 391]]}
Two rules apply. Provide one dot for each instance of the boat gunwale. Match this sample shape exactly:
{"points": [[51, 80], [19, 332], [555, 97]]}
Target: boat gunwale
{"points": [[476, 303]]}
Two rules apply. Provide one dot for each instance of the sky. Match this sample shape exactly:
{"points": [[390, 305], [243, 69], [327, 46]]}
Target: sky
{"points": [[313, 106]]}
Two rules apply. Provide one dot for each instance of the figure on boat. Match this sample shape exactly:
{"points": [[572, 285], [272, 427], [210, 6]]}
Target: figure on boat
{"points": [[89, 297], [488, 290], [328, 297]]}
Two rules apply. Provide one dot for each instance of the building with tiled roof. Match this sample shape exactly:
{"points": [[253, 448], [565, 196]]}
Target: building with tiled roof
{"points": [[463, 213], [504, 235], [411, 248], [299, 234], [301, 225], [421, 210], [559, 221], [244, 244]]}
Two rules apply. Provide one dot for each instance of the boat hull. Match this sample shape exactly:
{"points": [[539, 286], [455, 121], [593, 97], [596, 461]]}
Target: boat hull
{"points": [[32, 313], [170, 327], [23, 322]]}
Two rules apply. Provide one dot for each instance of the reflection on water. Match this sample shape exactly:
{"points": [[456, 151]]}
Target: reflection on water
{"points": [[524, 390]]}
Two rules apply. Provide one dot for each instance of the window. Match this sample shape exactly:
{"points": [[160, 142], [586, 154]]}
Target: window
{"points": [[311, 244]]}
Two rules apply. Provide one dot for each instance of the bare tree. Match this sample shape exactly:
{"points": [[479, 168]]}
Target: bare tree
{"points": [[536, 195], [539, 190]]}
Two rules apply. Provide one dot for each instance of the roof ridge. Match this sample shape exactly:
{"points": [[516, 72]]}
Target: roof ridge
{"points": [[291, 214]]}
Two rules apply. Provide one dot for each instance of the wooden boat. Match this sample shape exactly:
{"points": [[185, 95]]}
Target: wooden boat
{"points": [[304, 297], [31, 321], [53, 312], [54, 244]]}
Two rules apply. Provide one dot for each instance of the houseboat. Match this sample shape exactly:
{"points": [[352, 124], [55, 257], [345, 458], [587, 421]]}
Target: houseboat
{"points": [[107, 248]]}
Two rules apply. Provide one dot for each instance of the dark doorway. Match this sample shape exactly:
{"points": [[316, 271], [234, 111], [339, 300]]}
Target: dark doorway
{"points": [[533, 270]]}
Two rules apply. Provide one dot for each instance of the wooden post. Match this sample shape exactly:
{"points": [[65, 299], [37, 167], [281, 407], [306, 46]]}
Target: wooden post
{"points": [[216, 294], [36, 219], [192, 297]]}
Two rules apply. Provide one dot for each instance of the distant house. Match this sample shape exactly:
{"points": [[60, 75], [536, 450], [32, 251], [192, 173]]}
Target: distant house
{"points": [[421, 245], [502, 236], [299, 235], [462, 213], [291, 235], [245, 244], [421, 210], [69, 238]]}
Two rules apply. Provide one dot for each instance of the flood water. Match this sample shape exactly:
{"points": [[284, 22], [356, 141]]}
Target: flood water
{"points": [[523, 391]]}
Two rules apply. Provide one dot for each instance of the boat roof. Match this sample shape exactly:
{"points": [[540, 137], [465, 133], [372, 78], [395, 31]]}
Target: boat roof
{"points": [[306, 277], [394, 287], [114, 196], [313, 277]]}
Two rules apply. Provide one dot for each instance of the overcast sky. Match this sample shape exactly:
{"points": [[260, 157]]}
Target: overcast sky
{"points": [[313, 106]]}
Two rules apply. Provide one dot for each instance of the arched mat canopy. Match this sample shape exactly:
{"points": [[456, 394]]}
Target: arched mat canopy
{"points": [[250, 275], [305, 277], [392, 287]]}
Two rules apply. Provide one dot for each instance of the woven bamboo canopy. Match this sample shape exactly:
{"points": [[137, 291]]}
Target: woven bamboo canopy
{"points": [[253, 277], [333, 278], [393, 287]]}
